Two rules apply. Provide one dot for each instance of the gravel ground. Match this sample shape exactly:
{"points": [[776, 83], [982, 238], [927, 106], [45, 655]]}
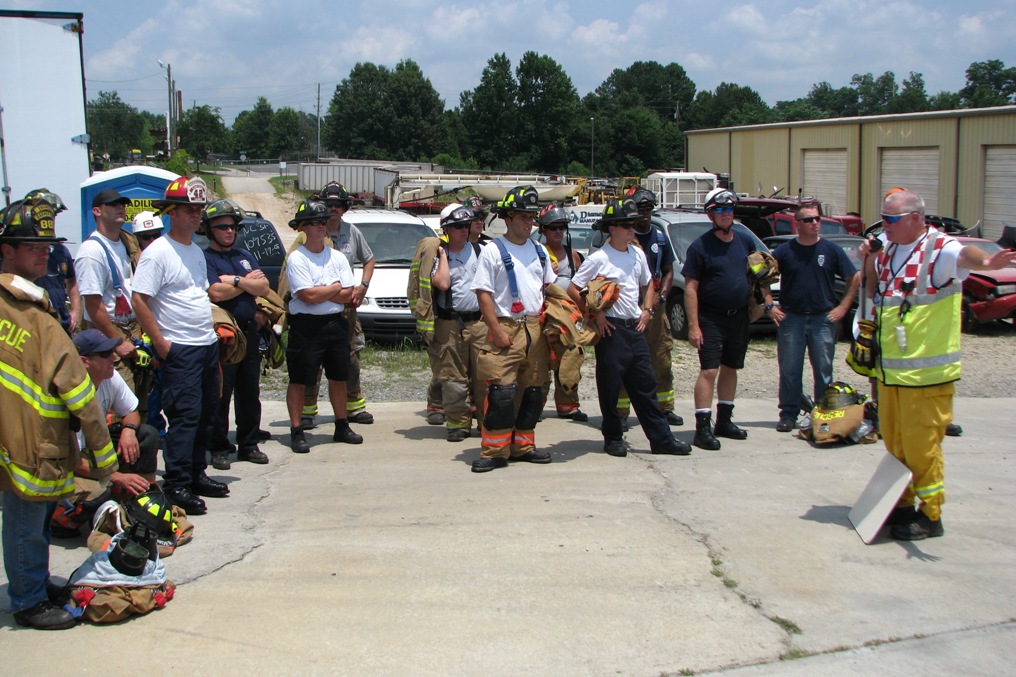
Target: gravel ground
{"points": [[400, 374]]}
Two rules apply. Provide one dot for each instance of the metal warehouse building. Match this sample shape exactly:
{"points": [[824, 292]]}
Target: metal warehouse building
{"points": [[963, 162]]}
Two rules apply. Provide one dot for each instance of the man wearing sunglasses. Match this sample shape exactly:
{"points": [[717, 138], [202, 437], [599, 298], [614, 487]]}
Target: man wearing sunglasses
{"points": [[915, 283], [716, 298], [235, 282], [809, 312]]}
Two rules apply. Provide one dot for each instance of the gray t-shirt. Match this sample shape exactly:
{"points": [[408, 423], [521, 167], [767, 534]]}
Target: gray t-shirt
{"points": [[351, 243]]}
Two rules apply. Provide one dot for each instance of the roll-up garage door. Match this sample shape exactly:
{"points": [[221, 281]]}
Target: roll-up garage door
{"points": [[825, 177], [999, 190], [913, 168]]}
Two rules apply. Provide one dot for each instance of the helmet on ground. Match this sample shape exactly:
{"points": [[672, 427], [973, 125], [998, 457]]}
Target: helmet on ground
{"points": [[146, 222], [335, 194], [24, 222], [459, 214], [309, 210], [617, 211], [838, 396], [719, 197], [128, 556], [153, 510], [182, 191], [553, 213], [519, 199], [643, 198]]}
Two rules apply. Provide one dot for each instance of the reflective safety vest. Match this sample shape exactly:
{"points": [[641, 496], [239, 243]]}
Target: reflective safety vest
{"points": [[919, 346], [43, 389]]}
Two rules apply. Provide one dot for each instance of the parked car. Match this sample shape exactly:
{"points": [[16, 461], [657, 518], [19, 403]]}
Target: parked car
{"points": [[682, 228], [850, 244], [259, 237], [988, 294], [768, 216], [393, 236]]}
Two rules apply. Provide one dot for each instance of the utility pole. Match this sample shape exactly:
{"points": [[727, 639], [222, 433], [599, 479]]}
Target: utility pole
{"points": [[319, 122], [169, 110]]}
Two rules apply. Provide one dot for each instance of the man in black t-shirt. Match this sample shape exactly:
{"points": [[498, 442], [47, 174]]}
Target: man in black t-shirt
{"points": [[716, 298], [235, 281]]}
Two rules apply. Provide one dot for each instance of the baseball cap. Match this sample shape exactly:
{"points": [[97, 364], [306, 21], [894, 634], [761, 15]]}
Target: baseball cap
{"points": [[92, 341], [109, 197]]}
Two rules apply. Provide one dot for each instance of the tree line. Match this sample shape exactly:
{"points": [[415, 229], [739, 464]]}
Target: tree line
{"points": [[524, 118]]}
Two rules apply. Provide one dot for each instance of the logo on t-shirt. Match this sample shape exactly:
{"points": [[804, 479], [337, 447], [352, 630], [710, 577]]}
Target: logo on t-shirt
{"points": [[821, 260]]}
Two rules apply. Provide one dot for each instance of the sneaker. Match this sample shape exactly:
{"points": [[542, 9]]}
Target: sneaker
{"points": [[435, 418], [458, 434], [577, 415], [673, 447], [617, 448], [220, 460], [917, 530], [362, 416], [488, 464], [347, 436], [673, 419], [45, 616], [307, 422], [298, 441], [785, 425], [534, 456], [254, 455]]}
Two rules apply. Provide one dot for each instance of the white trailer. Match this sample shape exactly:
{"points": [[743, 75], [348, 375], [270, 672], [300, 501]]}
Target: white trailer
{"points": [[43, 139], [680, 189]]}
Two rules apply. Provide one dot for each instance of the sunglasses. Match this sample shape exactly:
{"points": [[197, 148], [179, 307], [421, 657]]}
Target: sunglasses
{"points": [[316, 222], [147, 236], [809, 219], [546, 228], [722, 210], [457, 226], [104, 354], [894, 218], [227, 226]]}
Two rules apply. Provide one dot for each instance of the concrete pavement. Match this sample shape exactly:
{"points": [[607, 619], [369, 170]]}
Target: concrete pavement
{"points": [[392, 558]]}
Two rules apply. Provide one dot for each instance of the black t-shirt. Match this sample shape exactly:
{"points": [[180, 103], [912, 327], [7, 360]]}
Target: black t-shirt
{"points": [[656, 248], [808, 275], [233, 262], [721, 270]]}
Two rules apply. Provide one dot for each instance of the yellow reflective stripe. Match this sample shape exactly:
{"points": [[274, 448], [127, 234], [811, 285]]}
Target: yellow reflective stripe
{"points": [[32, 394], [104, 457], [623, 402], [30, 485], [310, 410], [665, 396], [425, 283], [356, 405], [80, 396], [930, 490], [415, 265]]}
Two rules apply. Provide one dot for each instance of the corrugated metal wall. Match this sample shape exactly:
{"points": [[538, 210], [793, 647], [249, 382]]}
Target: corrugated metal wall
{"points": [[961, 141]]}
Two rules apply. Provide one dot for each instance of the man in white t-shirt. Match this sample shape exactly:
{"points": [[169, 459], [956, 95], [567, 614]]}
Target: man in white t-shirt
{"points": [[172, 304], [105, 289], [321, 283], [136, 443], [514, 359], [915, 284], [622, 353]]}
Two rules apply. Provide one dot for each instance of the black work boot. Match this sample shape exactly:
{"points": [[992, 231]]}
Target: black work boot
{"points": [[298, 441], [704, 438], [724, 426]]}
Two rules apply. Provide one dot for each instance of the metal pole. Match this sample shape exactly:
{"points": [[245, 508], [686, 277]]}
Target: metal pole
{"points": [[3, 161], [592, 147]]}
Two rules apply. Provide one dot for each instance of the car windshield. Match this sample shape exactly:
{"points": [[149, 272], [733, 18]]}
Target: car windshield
{"points": [[683, 234], [394, 243]]}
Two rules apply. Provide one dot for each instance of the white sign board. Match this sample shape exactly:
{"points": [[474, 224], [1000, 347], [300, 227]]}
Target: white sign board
{"points": [[879, 498]]}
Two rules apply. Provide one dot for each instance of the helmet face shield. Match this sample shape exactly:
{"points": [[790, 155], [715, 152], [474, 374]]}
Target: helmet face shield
{"points": [[720, 197]]}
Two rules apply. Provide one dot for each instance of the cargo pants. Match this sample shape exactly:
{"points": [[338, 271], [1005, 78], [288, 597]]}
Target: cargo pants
{"points": [[661, 345]]}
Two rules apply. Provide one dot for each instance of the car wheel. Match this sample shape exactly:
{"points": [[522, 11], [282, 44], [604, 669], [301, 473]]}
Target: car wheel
{"points": [[678, 317], [968, 321]]}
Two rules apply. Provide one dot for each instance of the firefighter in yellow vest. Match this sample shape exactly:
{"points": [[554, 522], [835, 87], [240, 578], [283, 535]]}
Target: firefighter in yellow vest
{"points": [[915, 285], [47, 394]]}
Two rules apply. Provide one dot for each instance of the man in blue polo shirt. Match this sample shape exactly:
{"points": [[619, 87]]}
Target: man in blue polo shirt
{"points": [[809, 311]]}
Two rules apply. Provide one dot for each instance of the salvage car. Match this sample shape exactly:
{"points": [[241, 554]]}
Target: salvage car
{"points": [[988, 295]]}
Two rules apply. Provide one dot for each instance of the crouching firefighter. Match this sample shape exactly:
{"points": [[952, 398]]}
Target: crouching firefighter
{"points": [[510, 279]]}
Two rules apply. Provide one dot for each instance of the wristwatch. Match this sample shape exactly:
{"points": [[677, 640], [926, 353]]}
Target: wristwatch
{"points": [[129, 425], [365, 283], [236, 280], [769, 306]]}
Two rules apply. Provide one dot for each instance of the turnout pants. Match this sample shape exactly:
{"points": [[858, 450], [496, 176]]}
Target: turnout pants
{"points": [[622, 360], [912, 422], [454, 352], [661, 345], [523, 363]]}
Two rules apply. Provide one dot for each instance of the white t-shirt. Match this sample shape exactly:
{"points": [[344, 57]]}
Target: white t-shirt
{"points": [[531, 275], [115, 395], [305, 269], [175, 277], [628, 268], [91, 267]]}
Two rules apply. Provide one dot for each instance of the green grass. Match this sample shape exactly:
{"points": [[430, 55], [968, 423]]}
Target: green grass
{"points": [[788, 626], [284, 185], [404, 359]]}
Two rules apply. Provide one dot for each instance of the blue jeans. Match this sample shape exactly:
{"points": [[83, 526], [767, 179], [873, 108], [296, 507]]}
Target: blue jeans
{"points": [[797, 332], [26, 549]]}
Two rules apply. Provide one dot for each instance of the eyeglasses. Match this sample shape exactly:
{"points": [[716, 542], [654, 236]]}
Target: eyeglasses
{"points": [[546, 228], [227, 226], [722, 210], [809, 219], [894, 218], [145, 237]]}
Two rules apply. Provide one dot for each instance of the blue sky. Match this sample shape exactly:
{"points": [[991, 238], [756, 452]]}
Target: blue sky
{"points": [[226, 53]]}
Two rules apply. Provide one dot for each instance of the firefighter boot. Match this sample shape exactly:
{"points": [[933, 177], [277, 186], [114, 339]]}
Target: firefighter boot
{"points": [[724, 426], [704, 438]]}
